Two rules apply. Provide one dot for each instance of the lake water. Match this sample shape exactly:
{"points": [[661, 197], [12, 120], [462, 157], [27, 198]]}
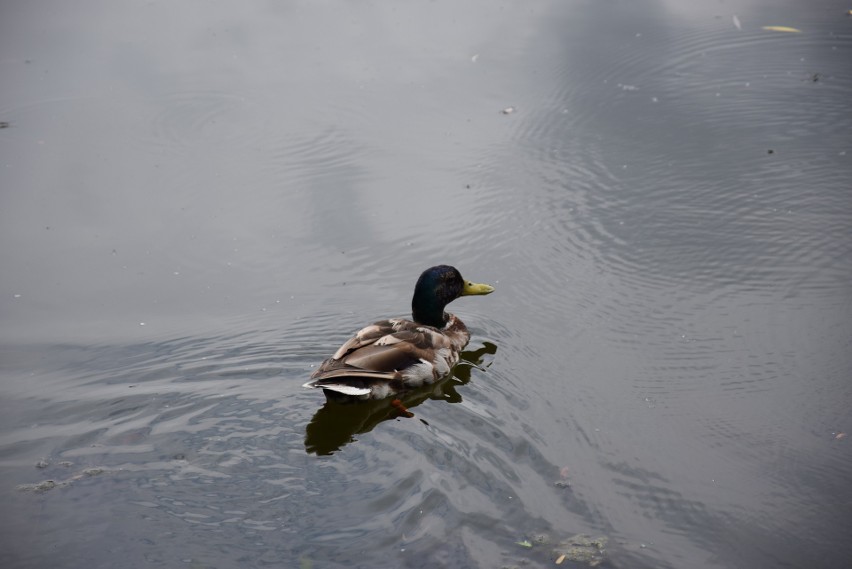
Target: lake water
{"points": [[200, 201]]}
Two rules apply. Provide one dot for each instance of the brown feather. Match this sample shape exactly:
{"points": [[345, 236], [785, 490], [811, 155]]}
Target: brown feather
{"points": [[378, 353]]}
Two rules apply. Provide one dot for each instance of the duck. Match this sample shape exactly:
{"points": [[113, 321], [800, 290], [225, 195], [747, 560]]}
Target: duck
{"points": [[392, 356]]}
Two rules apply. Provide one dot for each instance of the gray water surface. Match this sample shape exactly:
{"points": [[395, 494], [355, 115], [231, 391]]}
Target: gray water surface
{"points": [[201, 201]]}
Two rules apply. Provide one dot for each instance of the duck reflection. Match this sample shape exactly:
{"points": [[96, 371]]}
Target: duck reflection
{"points": [[337, 422]]}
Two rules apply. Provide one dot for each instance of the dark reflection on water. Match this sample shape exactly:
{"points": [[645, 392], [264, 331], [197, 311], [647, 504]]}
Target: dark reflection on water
{"points": [[199, 200]]}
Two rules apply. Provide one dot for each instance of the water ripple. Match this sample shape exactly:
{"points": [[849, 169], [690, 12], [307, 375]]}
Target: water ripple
{"points": [[666, 221], [186, 119]]}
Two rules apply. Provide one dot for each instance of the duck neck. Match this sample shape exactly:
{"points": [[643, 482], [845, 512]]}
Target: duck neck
{"points": [[428, 311]]}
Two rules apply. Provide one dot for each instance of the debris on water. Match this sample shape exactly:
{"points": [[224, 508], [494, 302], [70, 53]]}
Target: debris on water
{"points": [[582, 549], [560, 559], [840, 436], [737, 23], [474, 58], [563, 478], [40, 487], [42, 464], [628, 87], [770, 151], [525, 543], [45, 485], [785, 29], [508, 110]]}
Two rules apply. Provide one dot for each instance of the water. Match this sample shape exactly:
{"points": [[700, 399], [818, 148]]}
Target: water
{"points": [[201, 202]]}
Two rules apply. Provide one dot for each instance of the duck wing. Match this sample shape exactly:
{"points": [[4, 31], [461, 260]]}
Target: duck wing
{"points": [[377, 354]]}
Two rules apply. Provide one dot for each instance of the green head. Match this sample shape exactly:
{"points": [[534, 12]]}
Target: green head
{"points": [[435, 289]]}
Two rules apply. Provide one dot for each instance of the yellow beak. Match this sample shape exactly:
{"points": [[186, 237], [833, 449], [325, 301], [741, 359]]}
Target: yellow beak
{"points": [[476, 288]]}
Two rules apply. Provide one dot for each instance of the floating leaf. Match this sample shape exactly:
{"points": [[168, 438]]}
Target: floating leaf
{"points": [[561, 559], [526, 543], [782, 29]]}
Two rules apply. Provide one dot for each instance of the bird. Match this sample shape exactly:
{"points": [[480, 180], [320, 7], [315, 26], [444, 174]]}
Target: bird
{"points": [[396, 355]]}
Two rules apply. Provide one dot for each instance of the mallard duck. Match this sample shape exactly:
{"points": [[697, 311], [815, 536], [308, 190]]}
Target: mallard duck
{"points": [[395, 355]]}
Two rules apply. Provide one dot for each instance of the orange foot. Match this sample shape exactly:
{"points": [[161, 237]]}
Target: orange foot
{"points": [[397, 404]]}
